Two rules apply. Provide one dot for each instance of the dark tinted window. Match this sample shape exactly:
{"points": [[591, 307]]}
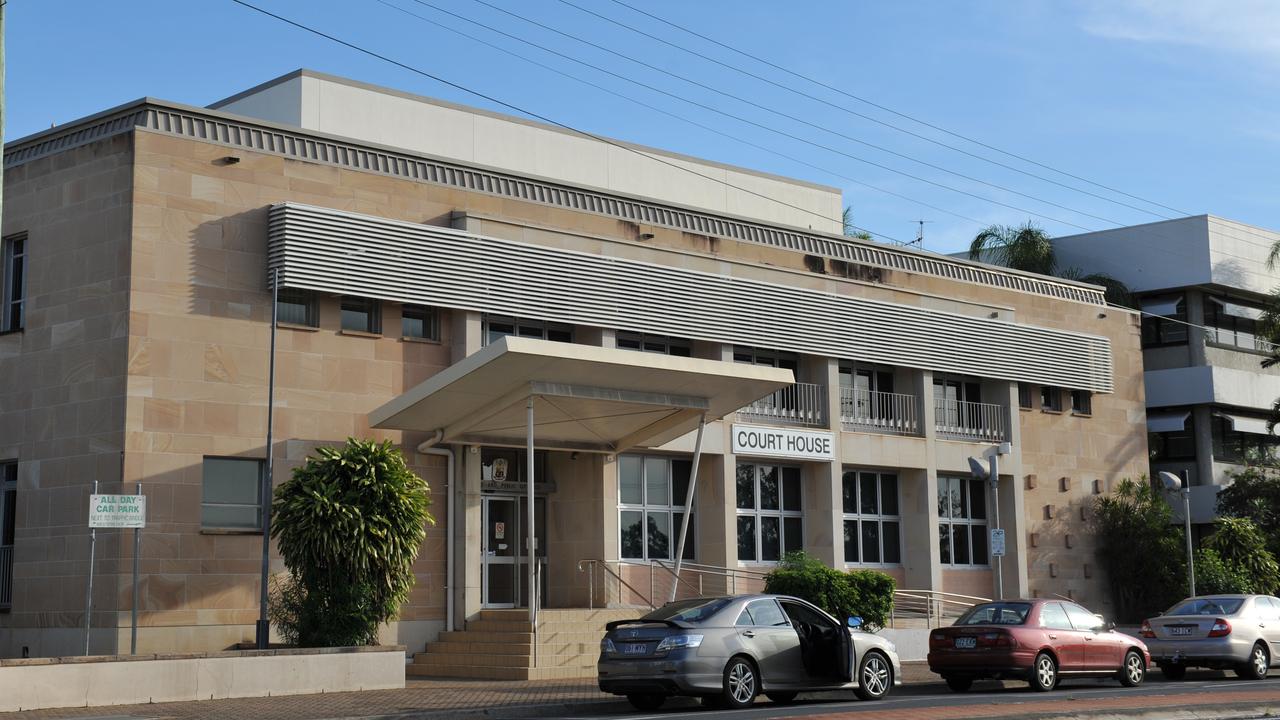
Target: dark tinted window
{"points": [[1207, 606], [699, 610], [1001, 613]]}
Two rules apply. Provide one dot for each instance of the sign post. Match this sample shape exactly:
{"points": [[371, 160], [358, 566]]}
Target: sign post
{"points": [[115, 511]]}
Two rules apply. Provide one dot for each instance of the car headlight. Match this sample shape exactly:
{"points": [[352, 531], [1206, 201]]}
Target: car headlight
{"points": [[606, 646], [676, 642]]}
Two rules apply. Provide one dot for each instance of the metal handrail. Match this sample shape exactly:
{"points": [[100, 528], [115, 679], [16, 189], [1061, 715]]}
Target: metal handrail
{"points": [[594, 562], [894, 413], [930, 604], [970, 420], [798, 403]]}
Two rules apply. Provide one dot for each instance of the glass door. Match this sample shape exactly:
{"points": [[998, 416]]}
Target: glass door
{"points": [[499, 551]]}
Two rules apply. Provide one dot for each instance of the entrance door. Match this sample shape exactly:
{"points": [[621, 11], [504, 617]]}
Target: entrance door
{"points": [[499, 551]]}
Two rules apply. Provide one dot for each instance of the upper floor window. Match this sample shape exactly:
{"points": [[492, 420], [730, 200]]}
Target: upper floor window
{"points": [[1230, 323], [1050, 398], [361, 314], [1082, 402], [1024, 395], [645, 342], [652, 491], [231, 496], [1165, 323], [14, 283], [769, 512], [962, 521], [298, 307], [763, 356], [1169, 445], [1235, 445], [500, 326], [420, 321], [872, 524]]}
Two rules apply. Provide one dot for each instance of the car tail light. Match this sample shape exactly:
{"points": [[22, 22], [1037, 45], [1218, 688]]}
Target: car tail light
{"points": [[676, 642], [937, 639], [1147, 632], [606, 646], [1221, 628], [997, 640]]}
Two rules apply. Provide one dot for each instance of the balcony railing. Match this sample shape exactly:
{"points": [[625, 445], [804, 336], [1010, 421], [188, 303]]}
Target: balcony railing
{"points": [[878, 412], [6, 577], [798, 404], [961, 420]]}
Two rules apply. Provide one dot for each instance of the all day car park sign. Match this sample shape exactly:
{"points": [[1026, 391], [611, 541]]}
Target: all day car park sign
{"points": [[117, 511]]}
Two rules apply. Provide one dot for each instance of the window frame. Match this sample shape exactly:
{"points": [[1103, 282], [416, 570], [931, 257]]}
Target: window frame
{"points": [[309, 300], [1158, 442], [758, 513], [15, 253], [1025, 401], [1053, 394], [8, 508], [671, 509], [370, 307], [768, 357], [226, 529], [1081, 402], [1232, 446], [524, 327], [879, 517], [968, 521], [651, 343], [1171, 331], [1230, 331], [430, 321]]}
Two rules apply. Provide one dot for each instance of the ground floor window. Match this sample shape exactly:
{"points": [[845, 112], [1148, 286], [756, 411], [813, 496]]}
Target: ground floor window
{"points": [[872, 524], [231, 496], [652, 491], [8, 526], [962, 521], [770, 522]]}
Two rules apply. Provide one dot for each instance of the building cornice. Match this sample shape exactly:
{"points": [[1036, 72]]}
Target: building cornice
{"points": [[291, 142]]}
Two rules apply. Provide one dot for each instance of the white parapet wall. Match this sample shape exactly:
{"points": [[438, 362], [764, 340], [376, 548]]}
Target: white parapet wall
{"points": [[127, 680]]}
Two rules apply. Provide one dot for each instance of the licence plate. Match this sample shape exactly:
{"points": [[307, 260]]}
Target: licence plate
{"points": [[1181, 630], [635, 649], [966, 642]]}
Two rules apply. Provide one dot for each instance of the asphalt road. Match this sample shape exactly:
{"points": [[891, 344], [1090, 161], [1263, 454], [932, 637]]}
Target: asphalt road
{"points": [[1078, 697]]}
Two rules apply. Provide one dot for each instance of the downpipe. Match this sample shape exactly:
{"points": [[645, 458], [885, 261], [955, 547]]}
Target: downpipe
{"points": [[428, 447]]}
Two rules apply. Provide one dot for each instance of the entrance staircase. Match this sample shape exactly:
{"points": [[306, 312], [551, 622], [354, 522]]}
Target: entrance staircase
{"points": [[500, 645]]}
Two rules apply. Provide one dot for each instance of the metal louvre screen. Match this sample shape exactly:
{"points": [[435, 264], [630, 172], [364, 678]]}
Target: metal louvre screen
{"points": [[345, 253]]}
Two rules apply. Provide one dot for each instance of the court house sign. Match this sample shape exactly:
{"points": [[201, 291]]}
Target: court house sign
{"points": [[781, 442]]}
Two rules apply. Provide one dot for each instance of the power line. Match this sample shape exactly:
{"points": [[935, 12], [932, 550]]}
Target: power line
{"points": [[890, 110], [778, 113], [537, 116], [843, 108], [676, 116]]}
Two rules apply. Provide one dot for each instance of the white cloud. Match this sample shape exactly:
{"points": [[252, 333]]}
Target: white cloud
{"points": [[1249, 27]]}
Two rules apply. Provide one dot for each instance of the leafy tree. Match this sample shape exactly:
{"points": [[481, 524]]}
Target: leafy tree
{"points": [[1254, 493], [866, 593], [1243, 550], [851, 230], [349, 524], [1214, 576], [1028, 247], [1140, 549]]}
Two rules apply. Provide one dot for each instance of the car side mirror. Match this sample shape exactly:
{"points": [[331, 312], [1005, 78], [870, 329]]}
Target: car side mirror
{"points": [[854, 621]]}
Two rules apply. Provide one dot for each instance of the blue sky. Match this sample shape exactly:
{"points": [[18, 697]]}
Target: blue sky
{"points": [[1176, 101]]}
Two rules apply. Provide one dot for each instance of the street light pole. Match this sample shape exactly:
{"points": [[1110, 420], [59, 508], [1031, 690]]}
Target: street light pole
{"points": [[264, 625], [1173, 483]]}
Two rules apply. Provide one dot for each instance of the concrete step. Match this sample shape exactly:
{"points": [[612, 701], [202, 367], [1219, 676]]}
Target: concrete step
{"points": [[483, 672], [548, 629], [488, 660], [601, 616], [510, 648]]}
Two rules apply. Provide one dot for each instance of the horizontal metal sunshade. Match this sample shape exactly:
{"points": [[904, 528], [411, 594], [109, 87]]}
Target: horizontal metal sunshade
{"points": [[345, 253]]}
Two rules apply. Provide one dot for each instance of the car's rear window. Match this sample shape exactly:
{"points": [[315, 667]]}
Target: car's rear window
{"points": [[1001, 613], [693, 611], [1207, 606]]}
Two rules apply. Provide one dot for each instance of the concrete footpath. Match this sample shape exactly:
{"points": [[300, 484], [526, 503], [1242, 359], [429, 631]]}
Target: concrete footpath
{"points": [[464, 699]]}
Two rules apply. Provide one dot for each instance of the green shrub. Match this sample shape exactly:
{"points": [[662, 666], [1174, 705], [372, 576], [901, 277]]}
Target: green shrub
{"points": [[1242, 549], [349, 524], [1140, 549], [1214, 576], [866, 593]]}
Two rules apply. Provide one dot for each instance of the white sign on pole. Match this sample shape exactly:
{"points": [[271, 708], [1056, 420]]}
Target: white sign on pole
{"points": [[997, 542], [117, 511], [781, 442]]}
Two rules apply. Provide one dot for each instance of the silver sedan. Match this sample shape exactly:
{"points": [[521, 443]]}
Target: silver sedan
{"points": [[1238, 632], [727, 650]]}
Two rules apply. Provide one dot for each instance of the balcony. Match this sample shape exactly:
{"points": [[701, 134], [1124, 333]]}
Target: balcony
{"points": [[6, 577], [979, 422], [800, 404], [878, 412]]}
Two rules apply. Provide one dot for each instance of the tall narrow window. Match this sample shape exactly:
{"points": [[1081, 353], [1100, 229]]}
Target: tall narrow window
{"points": [[361, 314], [14, 287], [1050, 398], [651, 506], [1024, 395], [8, 525], [770, 521], [231, 494], [1082, 402], [420, 322], [872, 525], [962, 521], [298, 307]]}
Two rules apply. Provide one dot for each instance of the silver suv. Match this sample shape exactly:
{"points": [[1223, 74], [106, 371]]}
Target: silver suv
{"points": [[1238, 632]]}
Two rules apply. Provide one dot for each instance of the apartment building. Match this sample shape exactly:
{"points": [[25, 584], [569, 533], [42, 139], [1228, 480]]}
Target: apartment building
{"points": [[445, 274], [1203, 282]]}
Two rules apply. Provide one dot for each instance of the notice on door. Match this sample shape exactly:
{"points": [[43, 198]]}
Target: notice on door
{"points": [[782, 442], [499, 531]]}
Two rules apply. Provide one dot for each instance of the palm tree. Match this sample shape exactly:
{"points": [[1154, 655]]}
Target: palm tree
{"points": [[851, 230], [1026, 247]]}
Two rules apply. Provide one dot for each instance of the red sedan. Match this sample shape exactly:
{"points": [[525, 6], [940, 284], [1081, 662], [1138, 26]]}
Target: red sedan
{"points": [[1038, 641]]}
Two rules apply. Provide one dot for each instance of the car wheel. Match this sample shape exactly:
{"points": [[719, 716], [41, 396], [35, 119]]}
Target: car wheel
{"points": [[1044, 673], [1134, 669], [1173, 672], [1258, 664], [875, 676], [646, 702], [781, 698], [959, 684], [741, 683]]}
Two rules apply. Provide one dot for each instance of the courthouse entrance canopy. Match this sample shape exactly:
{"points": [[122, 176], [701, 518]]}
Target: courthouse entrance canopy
{"points": [[583, 397]]}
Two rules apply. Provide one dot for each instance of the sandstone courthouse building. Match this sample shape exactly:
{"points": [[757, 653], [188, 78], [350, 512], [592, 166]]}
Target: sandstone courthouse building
{"points": [[442, 269]]}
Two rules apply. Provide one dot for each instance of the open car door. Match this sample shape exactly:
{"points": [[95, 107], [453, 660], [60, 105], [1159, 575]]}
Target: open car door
{"points": [[848, 663]]}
